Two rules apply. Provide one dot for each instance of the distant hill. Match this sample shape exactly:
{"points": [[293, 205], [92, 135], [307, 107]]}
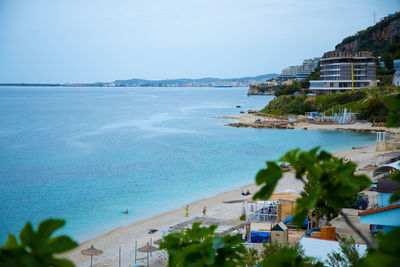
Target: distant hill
{"points": [[244, 81]]}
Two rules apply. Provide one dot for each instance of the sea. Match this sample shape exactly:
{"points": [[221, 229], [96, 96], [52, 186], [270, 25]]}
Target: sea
{"points": [[86, 154]]}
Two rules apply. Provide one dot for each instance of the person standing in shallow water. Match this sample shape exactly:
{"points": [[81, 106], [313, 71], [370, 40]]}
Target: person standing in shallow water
{"points": [[187, 210]]}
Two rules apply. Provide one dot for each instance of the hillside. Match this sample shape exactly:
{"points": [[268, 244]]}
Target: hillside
{"points": [[198, 82], [382, 38]]}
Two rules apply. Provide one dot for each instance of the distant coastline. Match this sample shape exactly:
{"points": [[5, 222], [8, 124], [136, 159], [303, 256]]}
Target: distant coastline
{"points": [[201, 82]]}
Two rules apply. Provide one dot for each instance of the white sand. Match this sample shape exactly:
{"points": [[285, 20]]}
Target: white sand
{"points": [[125, 237]]}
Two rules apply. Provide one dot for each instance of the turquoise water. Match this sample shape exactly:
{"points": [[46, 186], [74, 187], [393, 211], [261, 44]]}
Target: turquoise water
{"points": [[84, 154]]}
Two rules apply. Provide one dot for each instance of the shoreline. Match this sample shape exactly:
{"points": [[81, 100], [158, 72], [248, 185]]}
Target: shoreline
{"points": [[248, 121], [125, 236]]}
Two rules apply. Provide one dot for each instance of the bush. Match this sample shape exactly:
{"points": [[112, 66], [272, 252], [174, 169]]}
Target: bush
{"points": [[242, 217], [375, 110], [393, 119], [288, 89]]}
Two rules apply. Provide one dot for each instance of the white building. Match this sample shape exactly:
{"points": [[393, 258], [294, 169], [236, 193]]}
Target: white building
{"points": [[301, 72]]}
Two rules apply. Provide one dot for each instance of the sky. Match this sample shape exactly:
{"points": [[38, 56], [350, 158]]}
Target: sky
{"points": [[47, 41]]}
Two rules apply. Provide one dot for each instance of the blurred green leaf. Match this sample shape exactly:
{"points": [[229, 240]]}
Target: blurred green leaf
{"points": [[47, 227], [270, 177], [27, 235], [12, 241], [37, 249]]}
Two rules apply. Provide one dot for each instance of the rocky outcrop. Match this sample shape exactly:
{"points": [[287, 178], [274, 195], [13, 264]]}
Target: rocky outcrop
{"points": [[260, 89], [268, 125]]}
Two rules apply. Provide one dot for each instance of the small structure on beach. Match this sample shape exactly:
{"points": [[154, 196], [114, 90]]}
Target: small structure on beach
{"points": [[280, 233], [286, 208], [225, 227]]}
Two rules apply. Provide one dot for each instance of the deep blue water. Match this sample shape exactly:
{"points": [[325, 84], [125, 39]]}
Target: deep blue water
{"points": [[84, 154]]}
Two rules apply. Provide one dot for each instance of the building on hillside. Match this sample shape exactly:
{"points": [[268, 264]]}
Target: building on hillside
{"points": [[290, 72], [301, 72], [309, 65], [396, 76], [344, 71]]}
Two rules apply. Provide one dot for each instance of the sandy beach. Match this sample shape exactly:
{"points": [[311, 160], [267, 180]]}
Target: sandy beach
{"points": [[125, 237]]}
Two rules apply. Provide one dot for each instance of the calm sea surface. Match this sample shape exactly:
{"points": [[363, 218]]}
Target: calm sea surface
{"points": [[85, 154]]}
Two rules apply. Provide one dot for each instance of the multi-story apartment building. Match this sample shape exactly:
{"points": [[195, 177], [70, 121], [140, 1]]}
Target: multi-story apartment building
{"points": [[300, 72], [344, 71]]}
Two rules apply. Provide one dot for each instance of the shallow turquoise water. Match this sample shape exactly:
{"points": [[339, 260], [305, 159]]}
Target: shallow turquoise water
{"points": [[84, 154]]}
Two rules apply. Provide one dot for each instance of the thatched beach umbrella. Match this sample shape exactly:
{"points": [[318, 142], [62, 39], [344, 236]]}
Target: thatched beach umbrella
{"points": [[91, 252], [146, 249]]}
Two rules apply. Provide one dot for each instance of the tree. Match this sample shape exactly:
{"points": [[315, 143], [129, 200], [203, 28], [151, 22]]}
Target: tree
{"points": [[388, 60], [349, 255], [37, 249], [386, 253], [251, 257], [288, 256], [393, 119], [375, 110], [200, 246]]}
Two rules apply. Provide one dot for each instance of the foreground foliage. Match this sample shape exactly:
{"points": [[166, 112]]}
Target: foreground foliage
{"points": [[348, 255], [37, 249], [331, 182], [200, 246]]}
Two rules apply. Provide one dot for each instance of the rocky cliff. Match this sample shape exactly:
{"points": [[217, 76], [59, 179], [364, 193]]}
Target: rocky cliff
{"points": [[376, 38], [260, 89]]}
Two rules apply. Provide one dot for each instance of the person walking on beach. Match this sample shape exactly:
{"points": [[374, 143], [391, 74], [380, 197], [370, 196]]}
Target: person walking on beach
{"points": [[187, 210], [205, 211]]}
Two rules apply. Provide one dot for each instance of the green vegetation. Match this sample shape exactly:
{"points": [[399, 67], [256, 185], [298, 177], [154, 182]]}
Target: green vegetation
{"points": [[393, 119], [379, 104], [200, 246], [37, 249], [349, 255], [288, 89], [296, 86], [374, 39]]}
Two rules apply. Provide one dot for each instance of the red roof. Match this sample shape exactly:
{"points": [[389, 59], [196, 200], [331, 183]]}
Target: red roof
{"points": [[367, 212]]}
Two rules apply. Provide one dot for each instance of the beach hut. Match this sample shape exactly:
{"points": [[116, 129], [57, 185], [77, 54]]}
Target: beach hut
{"points": [[280, 233]]}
